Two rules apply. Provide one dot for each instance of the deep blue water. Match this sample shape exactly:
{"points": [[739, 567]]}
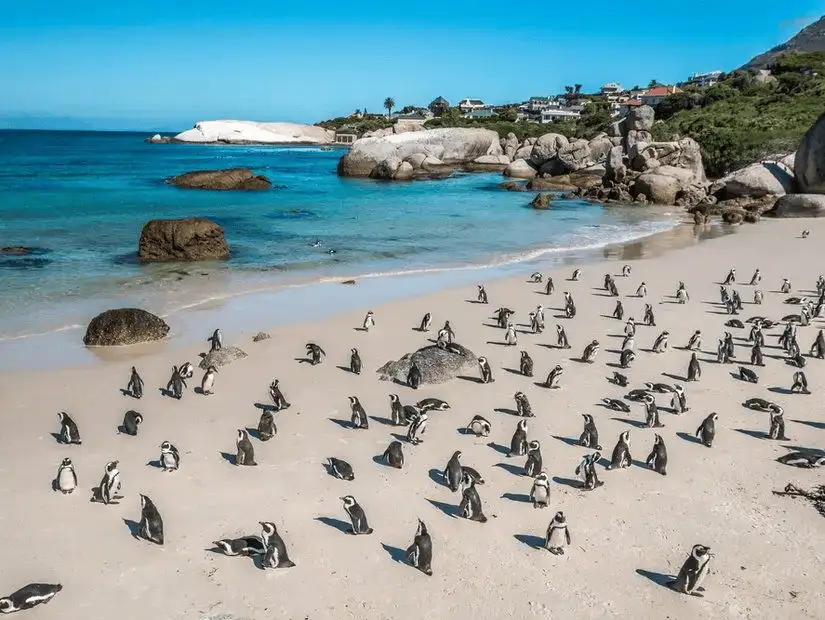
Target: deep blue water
{"points": [[81, 199]]}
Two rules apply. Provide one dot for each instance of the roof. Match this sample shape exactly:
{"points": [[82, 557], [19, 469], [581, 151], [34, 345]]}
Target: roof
{"points": [[473, 101], [661, 91], [632, 102], [440, 101]]}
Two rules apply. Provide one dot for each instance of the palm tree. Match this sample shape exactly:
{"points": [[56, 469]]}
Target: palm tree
{"points": [[389, 104]]}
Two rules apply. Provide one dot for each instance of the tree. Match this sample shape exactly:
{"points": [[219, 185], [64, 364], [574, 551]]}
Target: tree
{"points": [[577, 90], [653, 84], [389, 104]]}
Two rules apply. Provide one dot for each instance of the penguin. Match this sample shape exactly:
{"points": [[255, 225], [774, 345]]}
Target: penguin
{"points": [[679, 400], [800, 383], [540, 491], [660, 345], [616, 404], [707, 430], [589, 354], [737, 301], [216, 340], [355, 362], [470, 501], [760, 404], [657, 459], [357, 516], [549, 287], [786, 286], [266, 426], [618, 311], [131, 421], [420, 554], [518, 444], [68, 429], [66, 479], [724, 297], [358, 417], [109, 487], [558, 535], [532, 467], [652, 412], [693, 572], [410, 413], [150, 527], [169, 457], [806, 460], [630, 327], [418, 426], [486, 371], [276, 554], [510, 337], [526, 364], [818, 347], [805, 234], [756, 278], [586, 470], [561, 338], [277, 396], [777, 430], [523, 407], [649, 319], [637, 395], [414, 376], [535, 326], [452, 472], [394, 455], [577, 273], [626, 358], [536, 278], [479, 426], [757, 297], [369, 321], [396, 411], [659, 388], [135, 385], [628, 343], [590, 436], [756, 356], [208, 381], [621, 453], [246, 546], [176, 384], [340, 469], [450, 333], [607, 279], [540, 317], [612, 288], [426, 322], [746, 374], [695, 342], [315, 353], [29, 596], [186, 370], [245, 454], [731, 277], [619, 379], [642, 290], [722, 353], [569, 306], [432, 404], [694, 372], [682, 295], [553, 376], [469, 471], [482, 295], [503, 317], [626, 271]]}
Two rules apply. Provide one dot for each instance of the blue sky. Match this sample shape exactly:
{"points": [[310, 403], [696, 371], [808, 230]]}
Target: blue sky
{"points": [[151, 64]]}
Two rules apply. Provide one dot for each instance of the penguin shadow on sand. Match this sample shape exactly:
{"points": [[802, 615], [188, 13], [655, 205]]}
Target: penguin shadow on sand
{"points": [[505, 410], [380, 420], [57, 437], [199, 390], [512, 371], [154, 463], [133, 527], [266, 407], [675, 377], [534, 542], [341, 526], [396, 553], [448, 509], [568, 482], [633, 423], [516, 470], [472, 379], [780, 390], [751, 433], [253, 432], [500, 448], [521, 498], [399, 437], [688, 437], [437, 476], [346, 369], [341, 423], [805, 449], [229, 458], [661, 579], [96, 498], [127, 393], [819, 425], [570, 441]]}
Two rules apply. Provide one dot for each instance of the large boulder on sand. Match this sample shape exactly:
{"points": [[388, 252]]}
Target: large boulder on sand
{"points": [[188, 239], [453, 146], [809, 163], [520, 169], [685, 154], [231, 179], [755, 181], [663, 184], [437, 365], [124, 326], [799, 205], [221, 357]]}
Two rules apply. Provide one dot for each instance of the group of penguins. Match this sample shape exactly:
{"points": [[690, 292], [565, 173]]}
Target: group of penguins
{"points": [[270, 546]]}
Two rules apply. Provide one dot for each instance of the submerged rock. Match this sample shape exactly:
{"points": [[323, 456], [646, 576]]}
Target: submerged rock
{"points": [[188, 239], [437, 365], [221, 357], [230, 179], [124, 326], [542, 201]]}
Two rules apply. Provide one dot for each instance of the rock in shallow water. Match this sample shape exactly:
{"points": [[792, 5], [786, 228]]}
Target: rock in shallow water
{"points": [[437, 365], [187, 239], [223, 356], [124, 326], [231, 179]]}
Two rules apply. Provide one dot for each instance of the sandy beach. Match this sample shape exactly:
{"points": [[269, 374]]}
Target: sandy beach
{"points": [[628, 536]]}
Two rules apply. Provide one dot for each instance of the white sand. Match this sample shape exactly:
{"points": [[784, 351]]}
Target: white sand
{"points": [[769, 549]]}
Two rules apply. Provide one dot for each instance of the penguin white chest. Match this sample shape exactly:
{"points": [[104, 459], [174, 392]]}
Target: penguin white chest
{"points": [[66, 479]]}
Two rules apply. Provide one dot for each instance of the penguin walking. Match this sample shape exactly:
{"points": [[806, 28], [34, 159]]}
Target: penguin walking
{"points": [[569, 306], [266, 426], [394, 455], [532, 467], [526, 364], [135, 385], [486, 371], [642, 290], [414, 376], [630, 327], [707, 430], [800, 383], [420, 554], [216, 340], [589, 354], [452, 472], [470, 501], [176, 384], [131, 421], [418, 426], [618, 311], [502, 316], [590, 436], [276, 554], [777, 430], [756, 356], [651, 412], [109, 487], [355, 362], [649, 319], [479, 426], [756, 278], [626, 271], [523, 407], [561, 338], [277, 396], [150, 527], [818, 347], [68, 430], [169, 457], [621, 453], [540, 317], [208, 381], [694, 372], [245, 454], [357, 516], [757, 297], [66, 479], [657, 459], [246, 546], [482, 295], [693, 572], [549, 287], [626, 358], [558, 535], [29, 596], [397, 411], [682, 295], [315, 353], [577, 273], [426, 322], [518, 444], [660, 345], [540, 491], [536, 278], [553, 376], [695, 341], [358, 416], [586, 470], [369, 321], [731, 277], [786, 286], [678, 401], [510, 337], [628, 343]]}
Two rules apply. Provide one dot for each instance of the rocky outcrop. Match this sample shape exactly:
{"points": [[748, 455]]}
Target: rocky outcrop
{"points": [[799, 205], [190, 239], [437, 365], [221, 357], [124, 326], [546, 148], [542, 201], [615, 169], [809, 163], [510, 146], [443, 149], [250, 132], [231, 179], [520, 169], [767, 181], [488, 163], [663, 184], [553, 154]]}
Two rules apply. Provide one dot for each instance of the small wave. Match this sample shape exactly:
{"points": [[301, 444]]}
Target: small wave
{"points": [[56, 330]]}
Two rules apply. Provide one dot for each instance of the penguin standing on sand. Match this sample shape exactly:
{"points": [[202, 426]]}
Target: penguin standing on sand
{"points": [[536, 278], [176, 383], [628, 343], [569, 306], [649, 319], [479, 426], [786, 286], [618, 311], [131, 421], [695, 342], [553, 376], [589, 354], [418, 426], [394, 455], [266, 426], [245, 453], [369, 321], [358, 417], [694, 372], [357, 516], [630, 327], [660, 345], [486, 371], [626, 358], [169, 457], [510, 337], [590, 436], [426, 322], [657, 459], [526, 364], [452, 472], [618, 379], [558, 536], [396, 411], [561, 338], [278, 398], [621, 453], [315, 353], [414, 376], [731, 277], [540, 491], [549, 287], [109, 488], [420, 553], [693, 572], [532, 467], [66, 479], [757, 297], [276, 554], [577, 273], [29, 596], [707, 430], [355, 362], [523, 407], [756, 356], [777, 430], [470, 501], [208, 381], [68, 429], [518, 444], [586, 470], [135, 385], [626, 271], [756, 278], [150, 527], [652, 412], [216, 340], [682, 294], [800, 383], [679, 400], [482, 295], [818, 347], [642, 290]]}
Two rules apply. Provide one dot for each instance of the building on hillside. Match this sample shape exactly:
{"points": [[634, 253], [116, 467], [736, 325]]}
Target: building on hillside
{"points": [[438, 106], [537, 104], [345, 137], [485, 112], [612, 91], [656, 95], [703, 80], [553, 114], [471, 104], [626, 106]]}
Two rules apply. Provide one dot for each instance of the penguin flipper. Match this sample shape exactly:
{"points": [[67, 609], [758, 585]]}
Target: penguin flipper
{"points": [[567, 535]]}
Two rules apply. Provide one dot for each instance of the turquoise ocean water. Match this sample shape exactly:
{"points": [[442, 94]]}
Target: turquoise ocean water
{"points": [[81, 198]]}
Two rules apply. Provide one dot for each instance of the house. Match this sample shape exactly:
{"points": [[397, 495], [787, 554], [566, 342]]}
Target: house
{"points": [[485, 112], [552, 114], [703, 80], [611, 91], [465, 105], [345, 137], [626, 106], [438, 106], [537, 104], [656, 95]]}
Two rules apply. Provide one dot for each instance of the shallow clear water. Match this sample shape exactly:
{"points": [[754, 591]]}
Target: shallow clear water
{"points": [[81, 199]]}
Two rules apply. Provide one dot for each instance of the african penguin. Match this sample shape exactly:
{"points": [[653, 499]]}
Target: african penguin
{"points": [[276, 555], [800, 383], [216, 340], [540, 492], [169, 457], [452, 472], [707, 431], [420, 553], [518, 444], [621, 453], [553, 376], [558, 535], [693, 572], [355, 362], [590, 436], [426, 322], [657, 459], [526, 364], [176, 384], [532, 466], [357, 516], [523, 407], [482, 295], [660, 345], [561, 338], [340, 469], [694, 372], [315, 353], [479, 426], [358, 416], [29, 596], [777, 430], [616, 404], [135, 385], [369, 321], [245, 454], [246, 546], [418, 426], [68, 429], [394, 455], [266, 426], [470, 501], [414, 376], [208, 381], [150, 527], [589, 354], [109, 488], [486, 371], [131, 421], [618, 311], [66, 479]]}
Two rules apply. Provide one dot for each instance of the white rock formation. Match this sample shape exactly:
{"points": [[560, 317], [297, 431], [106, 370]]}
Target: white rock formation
{"points": [[251, 132]]}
